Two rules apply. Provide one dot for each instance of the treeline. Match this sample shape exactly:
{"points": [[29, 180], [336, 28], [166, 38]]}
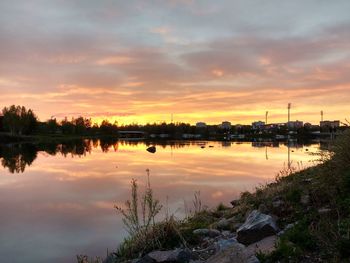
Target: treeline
{"points": [[77, 126], [18, 120]]}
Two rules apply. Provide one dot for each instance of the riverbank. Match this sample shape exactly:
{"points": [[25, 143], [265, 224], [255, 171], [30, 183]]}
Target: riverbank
{"points": [[49, 138], [304, 216]]}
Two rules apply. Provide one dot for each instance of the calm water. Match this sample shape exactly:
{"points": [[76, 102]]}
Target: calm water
{"points": [[56, 201]]}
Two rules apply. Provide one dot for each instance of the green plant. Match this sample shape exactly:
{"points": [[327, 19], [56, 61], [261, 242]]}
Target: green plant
{"points": [[146, 234], [150, 207]]}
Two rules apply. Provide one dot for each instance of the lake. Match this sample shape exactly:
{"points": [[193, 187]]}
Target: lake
{"points": [[57, 199]]}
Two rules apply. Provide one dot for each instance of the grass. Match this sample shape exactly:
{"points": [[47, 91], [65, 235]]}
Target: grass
{"points": [[146, 233], [319, 236], [315, 199]]}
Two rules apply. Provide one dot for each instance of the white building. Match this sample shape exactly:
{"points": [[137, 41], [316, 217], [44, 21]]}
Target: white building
{"points": [[258, 125], [201, 125], [329, 124], [295, 124]]}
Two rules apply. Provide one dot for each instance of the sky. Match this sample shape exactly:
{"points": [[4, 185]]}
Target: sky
{"points": [[142, 61]]}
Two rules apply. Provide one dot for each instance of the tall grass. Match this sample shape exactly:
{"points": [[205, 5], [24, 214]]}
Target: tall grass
{"points": [[146, 233], [149, 207]]}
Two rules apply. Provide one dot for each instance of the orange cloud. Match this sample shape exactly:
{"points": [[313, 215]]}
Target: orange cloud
{"points": [[118, 60]]}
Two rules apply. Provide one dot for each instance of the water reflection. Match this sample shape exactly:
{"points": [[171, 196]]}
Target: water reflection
{"points": [[64, 204], [16, 157]]}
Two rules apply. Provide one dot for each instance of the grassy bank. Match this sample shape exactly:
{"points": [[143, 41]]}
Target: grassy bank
{"points": [[313, 202]]}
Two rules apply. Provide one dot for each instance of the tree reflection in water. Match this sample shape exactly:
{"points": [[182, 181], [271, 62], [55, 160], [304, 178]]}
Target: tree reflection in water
{"points": [[17, 156]]}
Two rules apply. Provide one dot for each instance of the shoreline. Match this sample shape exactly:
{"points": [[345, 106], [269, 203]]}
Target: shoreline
{"points": [[281, 221]]}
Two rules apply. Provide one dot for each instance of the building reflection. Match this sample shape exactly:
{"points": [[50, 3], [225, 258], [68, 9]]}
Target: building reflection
{"points": [[16, 157]]}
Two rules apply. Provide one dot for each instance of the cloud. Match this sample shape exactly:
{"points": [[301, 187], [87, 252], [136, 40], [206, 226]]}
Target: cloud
{"points": [[198, 60]]}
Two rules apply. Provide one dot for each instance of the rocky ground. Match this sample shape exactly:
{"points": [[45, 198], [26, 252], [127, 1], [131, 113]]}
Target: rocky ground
{"points": [[229, 241], [304, 216]]}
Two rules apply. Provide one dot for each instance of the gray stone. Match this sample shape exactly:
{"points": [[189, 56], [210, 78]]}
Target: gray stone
{"points": [[206, 232], [277, 203], [305, 199], [253, 259], [171, 256], [145, 259], [236, 253], [223, 224], [256, 227], [227, 234], [266, 245], [324, 210], [223, 244]]}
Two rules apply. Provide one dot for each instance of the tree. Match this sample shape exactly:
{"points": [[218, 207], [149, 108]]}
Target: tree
{"points": [[80, 125], [52, 125], [67, 126], [19, 120]]}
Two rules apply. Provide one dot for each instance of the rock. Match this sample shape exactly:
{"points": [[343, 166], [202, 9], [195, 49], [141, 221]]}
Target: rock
{"points": [[206, 232], [171, 256], [236, 253], [266, 245], [256, 227], [223, 244], [324, 210], [145, 259], [227, 234], [223, 224], [305, 199], [152, 149], [253, 259], [277, 203]]}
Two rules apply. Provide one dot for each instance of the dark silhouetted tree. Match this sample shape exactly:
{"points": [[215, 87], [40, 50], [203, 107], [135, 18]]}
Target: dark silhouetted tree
{"points": [[19, 120]]}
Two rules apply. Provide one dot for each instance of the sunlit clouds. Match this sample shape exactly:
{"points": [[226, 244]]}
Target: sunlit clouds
{"points": [[141, 61]]}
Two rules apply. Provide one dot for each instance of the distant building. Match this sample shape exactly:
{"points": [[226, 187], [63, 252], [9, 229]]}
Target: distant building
{"points": [[201, 125], [258, 125], [295, 124], [272, 126], [329, 124], [310, 126], [226, 125]]}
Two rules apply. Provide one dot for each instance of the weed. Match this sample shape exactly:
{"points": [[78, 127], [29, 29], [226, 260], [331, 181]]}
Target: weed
{"points": [[150, 207]]}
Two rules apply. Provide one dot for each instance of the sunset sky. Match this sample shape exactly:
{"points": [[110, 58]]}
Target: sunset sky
{"points": [[141, 61]]}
